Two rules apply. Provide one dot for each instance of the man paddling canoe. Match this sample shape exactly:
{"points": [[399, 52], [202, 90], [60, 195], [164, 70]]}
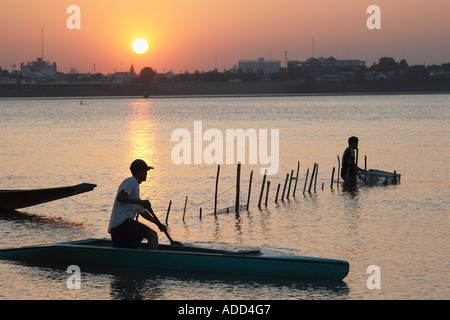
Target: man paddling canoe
{"points": [[125, 231]]}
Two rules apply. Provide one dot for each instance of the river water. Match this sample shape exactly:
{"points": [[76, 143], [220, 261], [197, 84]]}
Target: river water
{"points": [[402, 229]]}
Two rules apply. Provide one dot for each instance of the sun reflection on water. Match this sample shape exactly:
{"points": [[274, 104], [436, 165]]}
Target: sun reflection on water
{"points": [[142, 136]]}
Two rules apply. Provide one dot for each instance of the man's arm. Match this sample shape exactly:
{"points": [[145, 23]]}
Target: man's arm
{"points": [[149, 217], [125, 198]]}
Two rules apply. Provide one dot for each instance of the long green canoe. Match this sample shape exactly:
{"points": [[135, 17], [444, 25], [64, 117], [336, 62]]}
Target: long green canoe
{"points": [[181, 258]]}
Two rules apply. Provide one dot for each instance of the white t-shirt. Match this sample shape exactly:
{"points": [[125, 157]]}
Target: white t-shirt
{"points": [[121, 211]]}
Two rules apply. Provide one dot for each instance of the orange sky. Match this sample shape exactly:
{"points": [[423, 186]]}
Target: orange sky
{"points": [[204, 34]]}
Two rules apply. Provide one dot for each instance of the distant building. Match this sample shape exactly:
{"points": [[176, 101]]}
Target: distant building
{"points": [[38, 69], [121, 77], [293, 64], [329, 64], [260, 65], [352, 64], [330, 78]]}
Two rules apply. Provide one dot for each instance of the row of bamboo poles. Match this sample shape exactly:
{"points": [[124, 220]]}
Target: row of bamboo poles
{"points": [[290, 183]]}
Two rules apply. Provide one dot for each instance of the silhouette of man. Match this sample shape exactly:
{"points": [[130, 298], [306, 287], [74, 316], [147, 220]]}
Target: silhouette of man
{"points": [[125, 231], [349, 168]]}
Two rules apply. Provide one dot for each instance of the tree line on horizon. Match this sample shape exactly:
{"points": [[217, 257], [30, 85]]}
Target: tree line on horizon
{"points": [[386, 65], [393, 71]]}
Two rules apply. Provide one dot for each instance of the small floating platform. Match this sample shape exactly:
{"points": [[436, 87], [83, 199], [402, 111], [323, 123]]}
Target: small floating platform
{"points": [[378, 177]]}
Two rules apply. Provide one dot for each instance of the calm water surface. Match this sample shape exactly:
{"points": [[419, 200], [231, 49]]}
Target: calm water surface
{"points": [[403, 229]]}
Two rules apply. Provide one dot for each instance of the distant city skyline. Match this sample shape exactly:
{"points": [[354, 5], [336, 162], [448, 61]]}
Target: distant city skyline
{"points": [[191, 35]]}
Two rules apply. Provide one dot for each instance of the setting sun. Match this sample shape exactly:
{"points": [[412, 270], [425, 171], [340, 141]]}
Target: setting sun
{"points": [[140, 46]]}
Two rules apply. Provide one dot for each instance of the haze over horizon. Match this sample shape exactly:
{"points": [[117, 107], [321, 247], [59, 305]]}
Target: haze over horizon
{"points": [[190, 35]]}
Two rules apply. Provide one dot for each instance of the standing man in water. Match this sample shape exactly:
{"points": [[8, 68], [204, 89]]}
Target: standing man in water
{"points": [[125, 231], [349, 167]]}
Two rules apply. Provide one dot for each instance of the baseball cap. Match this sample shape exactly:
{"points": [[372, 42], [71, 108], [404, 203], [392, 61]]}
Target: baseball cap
{"points": [[138, 165]]}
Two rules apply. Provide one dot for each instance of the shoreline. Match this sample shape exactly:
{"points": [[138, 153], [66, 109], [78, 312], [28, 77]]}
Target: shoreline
{"points": [[197, 96], [199, 89]]}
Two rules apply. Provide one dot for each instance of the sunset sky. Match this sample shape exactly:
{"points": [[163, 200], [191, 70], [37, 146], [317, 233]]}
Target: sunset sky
{"points": [[190, 35]]}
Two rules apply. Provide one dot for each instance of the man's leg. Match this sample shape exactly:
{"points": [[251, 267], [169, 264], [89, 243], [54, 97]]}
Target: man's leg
{"points": [[152, 237]]}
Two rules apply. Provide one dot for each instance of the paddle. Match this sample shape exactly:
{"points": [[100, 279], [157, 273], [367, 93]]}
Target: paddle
{"points": [[172, 242]]}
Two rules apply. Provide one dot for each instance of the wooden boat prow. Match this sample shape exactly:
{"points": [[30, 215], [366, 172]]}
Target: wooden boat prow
{"points": [[17, 199]]}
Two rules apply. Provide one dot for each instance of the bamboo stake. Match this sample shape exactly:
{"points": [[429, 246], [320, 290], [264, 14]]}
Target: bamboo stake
{"points": [[315, 177], [262, 189], [332, 178], [238, 182], [312, 178], [217, 186], [249, 188], [278, 191], [306, 180], [284, 188], [290, 181], [296, 178], [185, 204], [267, 192], [339, 170], [168, 210]]}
